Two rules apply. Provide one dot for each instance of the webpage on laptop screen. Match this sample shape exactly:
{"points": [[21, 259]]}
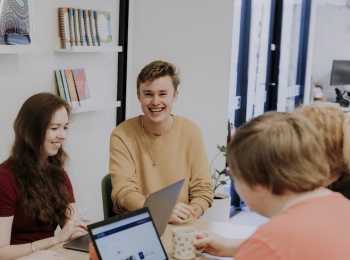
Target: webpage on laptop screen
{"points": [[132, 238]]}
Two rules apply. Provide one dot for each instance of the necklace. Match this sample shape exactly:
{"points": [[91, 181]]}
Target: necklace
{"points": [[148, 139]]}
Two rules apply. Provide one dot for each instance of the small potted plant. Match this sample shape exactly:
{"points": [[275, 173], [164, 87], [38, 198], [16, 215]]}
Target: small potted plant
{"points": [[220, 178], [220, 209]]}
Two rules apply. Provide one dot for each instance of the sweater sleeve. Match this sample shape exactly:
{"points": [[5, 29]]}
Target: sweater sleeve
{"points": [[200, 188], [126, 192]]}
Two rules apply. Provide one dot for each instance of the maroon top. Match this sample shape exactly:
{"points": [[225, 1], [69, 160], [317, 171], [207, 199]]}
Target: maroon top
{"points": [[24, 228]]}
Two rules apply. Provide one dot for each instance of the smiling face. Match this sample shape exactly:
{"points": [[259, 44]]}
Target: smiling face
{"points": [[56, 132], [157, 99]]}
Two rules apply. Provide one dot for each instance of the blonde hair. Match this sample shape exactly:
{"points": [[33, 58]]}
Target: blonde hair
{"points": [[279, 151], [334, 128]]}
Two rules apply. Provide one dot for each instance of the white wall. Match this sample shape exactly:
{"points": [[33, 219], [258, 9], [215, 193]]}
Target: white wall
{"points": [[196, 36], [331, 39], [25, 74]]}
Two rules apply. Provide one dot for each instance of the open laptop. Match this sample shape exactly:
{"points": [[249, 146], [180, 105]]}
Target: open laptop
{"points": [[129, 237], [160, 204]]}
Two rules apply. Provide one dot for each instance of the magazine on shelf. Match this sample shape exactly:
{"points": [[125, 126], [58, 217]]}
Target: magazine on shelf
{"points": [[80, 84], [14, 22], [71, 85], [104, 27]]}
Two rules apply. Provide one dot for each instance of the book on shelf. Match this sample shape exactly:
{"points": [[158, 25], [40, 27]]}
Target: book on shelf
{"points": [[87, 28], [14, 22], [59, 84], [80, 84], [76, 27], [84, 27], [94, 14], [71, 87], [92, 27], [62, 86], [81, 27], [65, 85], [63, 27], [104, 27], [71, 27]]}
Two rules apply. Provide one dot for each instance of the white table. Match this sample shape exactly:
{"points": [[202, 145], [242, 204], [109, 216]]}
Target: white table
{"points": [[240, 226]]}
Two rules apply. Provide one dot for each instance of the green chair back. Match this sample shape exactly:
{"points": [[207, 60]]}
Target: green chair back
{"points": [[106, 187]]}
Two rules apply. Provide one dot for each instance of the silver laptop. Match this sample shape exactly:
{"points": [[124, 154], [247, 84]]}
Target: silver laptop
{"points": [[160, 203]]}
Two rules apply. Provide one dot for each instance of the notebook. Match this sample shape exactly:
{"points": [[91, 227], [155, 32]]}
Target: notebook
{"points": [[129, 237], [160, 204]]}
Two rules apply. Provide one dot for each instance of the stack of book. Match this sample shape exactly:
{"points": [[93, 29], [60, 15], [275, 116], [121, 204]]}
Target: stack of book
{"points": [[71, 86], [81, 27]]}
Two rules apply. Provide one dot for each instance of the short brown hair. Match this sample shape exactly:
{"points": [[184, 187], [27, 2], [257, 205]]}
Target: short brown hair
{"points": [[157, 69], [334, 128], [279, 151]]}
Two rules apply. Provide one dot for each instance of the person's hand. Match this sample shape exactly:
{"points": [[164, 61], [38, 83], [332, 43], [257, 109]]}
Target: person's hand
{"points": [[197, 211], [82, 228], [72, 229], [214, 244], [181, 213]]}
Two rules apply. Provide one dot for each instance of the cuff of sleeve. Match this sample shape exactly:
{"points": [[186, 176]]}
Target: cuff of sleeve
{"points": [[204, 205], [132, 201]]}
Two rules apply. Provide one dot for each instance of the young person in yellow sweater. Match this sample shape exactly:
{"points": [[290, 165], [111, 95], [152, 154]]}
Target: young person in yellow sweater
{"points": [[280, 168], [153, 150]]}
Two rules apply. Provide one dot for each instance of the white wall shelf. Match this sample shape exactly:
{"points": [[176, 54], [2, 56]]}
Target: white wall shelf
{"points": [[89, 49], [91, 107], [14, 49]]}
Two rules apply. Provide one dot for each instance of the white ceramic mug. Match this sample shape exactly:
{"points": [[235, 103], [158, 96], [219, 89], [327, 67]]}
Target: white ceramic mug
{"points": [[183, 247]]}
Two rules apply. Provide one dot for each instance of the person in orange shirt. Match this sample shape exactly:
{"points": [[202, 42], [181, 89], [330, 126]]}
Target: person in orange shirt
{"points": [[280, 168]]}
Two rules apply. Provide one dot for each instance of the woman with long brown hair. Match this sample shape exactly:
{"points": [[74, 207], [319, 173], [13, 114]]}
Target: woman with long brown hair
{"points": [[35, 192]]}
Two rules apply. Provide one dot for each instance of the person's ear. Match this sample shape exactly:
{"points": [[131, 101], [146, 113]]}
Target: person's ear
{"points": [[260, 189], [138, 94], [176, 94]]}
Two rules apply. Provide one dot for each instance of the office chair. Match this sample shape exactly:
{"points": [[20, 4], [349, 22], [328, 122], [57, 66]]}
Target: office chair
{"points": [[106, 188], [341, 99]]}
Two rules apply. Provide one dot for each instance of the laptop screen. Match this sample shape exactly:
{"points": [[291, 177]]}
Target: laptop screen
{"points": [[132, 237]]}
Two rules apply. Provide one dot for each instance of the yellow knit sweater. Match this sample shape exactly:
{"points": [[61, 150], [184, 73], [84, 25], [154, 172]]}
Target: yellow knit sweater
{"points": [[141, 163]]}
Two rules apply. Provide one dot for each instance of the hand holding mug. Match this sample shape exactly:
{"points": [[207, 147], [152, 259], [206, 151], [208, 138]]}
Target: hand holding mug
{"points": [[214, 244]]}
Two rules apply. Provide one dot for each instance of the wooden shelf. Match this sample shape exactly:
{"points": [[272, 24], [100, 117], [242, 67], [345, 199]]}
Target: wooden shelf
{"points": [[90, 49], [14, 49]]}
